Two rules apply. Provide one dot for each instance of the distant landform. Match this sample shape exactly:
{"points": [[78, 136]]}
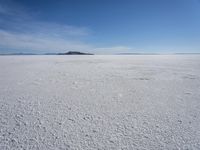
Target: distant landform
{"points": [[83, 53], [66, 53], [157, 53], [75, 53]]}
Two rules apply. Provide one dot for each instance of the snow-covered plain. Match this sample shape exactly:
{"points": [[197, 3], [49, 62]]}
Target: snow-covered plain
{"points": [[100, 102]]}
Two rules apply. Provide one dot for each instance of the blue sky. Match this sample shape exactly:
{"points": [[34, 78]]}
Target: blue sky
{"points": [[100, 26]]}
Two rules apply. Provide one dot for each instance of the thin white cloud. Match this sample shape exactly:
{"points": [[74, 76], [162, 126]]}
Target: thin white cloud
{"points": [[39, 43], [22, 31], [54, 29], [19, 30]]}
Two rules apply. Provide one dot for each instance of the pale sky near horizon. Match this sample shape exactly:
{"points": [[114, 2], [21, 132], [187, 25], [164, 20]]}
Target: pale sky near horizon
{"points": [[100, 26]]}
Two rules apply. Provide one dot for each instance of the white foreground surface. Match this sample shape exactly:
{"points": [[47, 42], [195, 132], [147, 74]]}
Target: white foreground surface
{"points": [[100, 102]]}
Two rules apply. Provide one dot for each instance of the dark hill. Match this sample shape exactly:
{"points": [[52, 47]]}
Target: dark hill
{"points": [[74, 53]]}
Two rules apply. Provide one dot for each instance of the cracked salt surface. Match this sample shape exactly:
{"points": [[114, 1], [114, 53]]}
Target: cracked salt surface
{"points": [[100, 102]]}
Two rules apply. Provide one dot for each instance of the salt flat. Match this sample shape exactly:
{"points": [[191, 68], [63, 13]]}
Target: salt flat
{"points": [[100, 102]]}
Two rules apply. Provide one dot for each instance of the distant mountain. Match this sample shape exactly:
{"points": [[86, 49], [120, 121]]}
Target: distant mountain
{"points": [[50, 54], [19, 54], [74, 53], [137, 54], [157, 54], [67, 53], [187, 53]]}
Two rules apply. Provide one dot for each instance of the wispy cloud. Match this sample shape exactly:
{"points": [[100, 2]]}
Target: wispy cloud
{"points": [[50, 38], [21, 31], [24, 32], [39, 43]]}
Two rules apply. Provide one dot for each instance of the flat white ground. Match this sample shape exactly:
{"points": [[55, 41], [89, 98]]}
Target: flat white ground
{"points": [[100, 102]]}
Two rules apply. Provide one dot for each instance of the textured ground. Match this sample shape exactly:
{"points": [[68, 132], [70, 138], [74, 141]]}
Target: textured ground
{"points": [[100, 102]]}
